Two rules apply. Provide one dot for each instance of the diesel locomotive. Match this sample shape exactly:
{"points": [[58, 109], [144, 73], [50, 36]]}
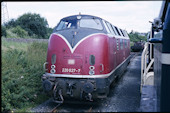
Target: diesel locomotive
{"points": [[85, 55]]}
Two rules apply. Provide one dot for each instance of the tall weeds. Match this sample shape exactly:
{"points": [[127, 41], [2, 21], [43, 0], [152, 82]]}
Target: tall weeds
{"points": [[21, 76]]}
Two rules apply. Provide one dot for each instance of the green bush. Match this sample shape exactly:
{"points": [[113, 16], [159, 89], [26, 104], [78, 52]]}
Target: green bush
{"points": [[135, 37], [34, 25], [3, 31], [16, 32], [10, 34], [19, 31], [21, 77]]}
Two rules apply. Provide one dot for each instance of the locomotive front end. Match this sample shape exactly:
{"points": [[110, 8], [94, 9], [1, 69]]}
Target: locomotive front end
{"points": [[76, 73], [77, 60]]}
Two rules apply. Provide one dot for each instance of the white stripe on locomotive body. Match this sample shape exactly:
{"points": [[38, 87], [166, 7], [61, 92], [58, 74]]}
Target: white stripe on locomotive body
{"points": [[165, 58], [85, 76], [73, 49]]}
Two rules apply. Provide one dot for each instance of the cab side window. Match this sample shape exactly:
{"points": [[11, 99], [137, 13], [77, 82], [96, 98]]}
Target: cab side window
{"points": [[122, 32], [110, 28], [117, 31], [107, 29]]}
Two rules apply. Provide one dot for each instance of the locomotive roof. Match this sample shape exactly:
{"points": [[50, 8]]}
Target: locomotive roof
{"points": [[75, 17], [82, 16]]}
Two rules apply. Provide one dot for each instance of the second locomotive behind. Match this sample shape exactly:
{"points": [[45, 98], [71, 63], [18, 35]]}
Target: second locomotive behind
{"points": [[85, 55]]}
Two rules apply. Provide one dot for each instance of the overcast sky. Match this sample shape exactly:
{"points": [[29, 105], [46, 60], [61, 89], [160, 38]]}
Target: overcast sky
{"points": [[129, 15]]}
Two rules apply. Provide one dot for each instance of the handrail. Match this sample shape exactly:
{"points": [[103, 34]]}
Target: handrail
{"points": [[102, 67], [44, 66], [144, 67], [143, 61]]}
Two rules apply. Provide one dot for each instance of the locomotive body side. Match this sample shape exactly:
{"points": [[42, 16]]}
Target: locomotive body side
{"points": [[83, 62]]}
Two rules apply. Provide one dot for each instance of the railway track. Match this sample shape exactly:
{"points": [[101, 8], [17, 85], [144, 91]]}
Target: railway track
{"points": [[47, 106], [54, 110], [67, 106], [75, 106]]}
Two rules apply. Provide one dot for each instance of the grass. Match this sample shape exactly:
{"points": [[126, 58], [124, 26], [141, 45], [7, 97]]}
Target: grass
{"points": [[22, 68], [5, 45]]}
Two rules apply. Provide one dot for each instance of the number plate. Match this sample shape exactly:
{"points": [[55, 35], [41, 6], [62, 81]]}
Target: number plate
{"points": [[72, 70]]}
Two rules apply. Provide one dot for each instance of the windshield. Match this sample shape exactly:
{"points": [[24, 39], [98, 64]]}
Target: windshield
{"points": [[84, 23], [64, 24], [91, 23]]}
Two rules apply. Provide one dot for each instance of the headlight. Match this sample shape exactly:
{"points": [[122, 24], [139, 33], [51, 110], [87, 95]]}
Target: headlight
{"points": [[91, 72], [52, 66], [91, 67], [52, 71]]}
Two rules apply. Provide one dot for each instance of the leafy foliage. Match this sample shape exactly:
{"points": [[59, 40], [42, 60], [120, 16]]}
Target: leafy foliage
{"points": [[20, 32], [10, 34], [3, 31], [35, 25], [21, 76], [135, 37], [11, 23], [16, 32]]}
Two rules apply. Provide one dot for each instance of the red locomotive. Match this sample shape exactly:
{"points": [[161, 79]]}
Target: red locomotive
{"points": [[85, 55]]}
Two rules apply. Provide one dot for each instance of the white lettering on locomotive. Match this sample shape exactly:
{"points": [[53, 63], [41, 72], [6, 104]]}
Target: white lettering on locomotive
{"points": [[72, 70]]}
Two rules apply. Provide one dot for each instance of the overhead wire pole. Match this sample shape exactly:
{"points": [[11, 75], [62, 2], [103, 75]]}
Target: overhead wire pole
{"points": [[4, 14]]}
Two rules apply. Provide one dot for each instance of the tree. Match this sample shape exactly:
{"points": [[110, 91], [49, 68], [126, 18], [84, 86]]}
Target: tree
{"points": [[11, 23], [135, 37], [49, 31], [34, 24]]}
